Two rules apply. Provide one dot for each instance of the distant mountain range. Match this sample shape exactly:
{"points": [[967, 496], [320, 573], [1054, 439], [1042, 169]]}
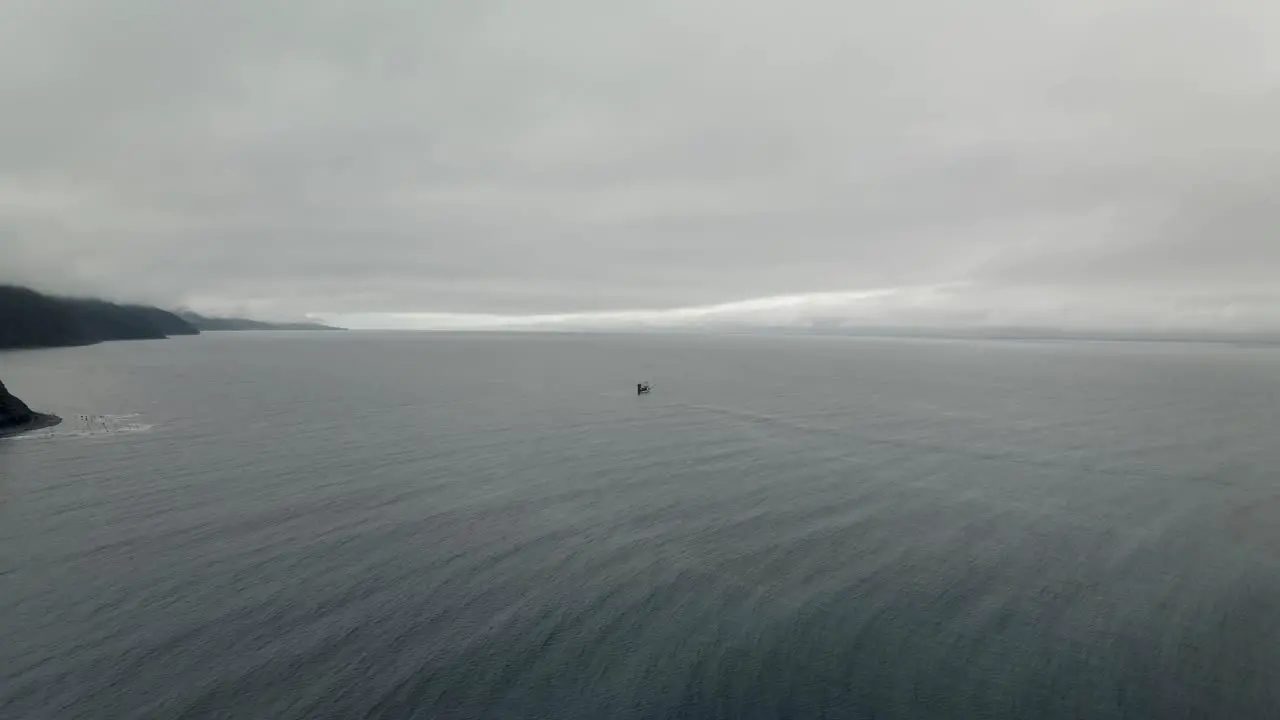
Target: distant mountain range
{"points": [[30, 319], [205, 323]]}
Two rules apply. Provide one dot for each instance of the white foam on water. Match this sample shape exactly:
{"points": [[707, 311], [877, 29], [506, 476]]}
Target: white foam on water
{"points": [[88, 426]]}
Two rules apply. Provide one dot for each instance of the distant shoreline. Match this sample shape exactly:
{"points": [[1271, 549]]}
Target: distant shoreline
{"points": [[38, 421]]}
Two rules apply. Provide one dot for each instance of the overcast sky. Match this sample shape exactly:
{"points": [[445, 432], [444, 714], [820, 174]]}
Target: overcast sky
{"points": [[401, 162]]}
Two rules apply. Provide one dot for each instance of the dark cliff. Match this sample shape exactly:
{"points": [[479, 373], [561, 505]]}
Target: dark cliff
{"points": [[29, 319], [13, 412], [16, 417]]}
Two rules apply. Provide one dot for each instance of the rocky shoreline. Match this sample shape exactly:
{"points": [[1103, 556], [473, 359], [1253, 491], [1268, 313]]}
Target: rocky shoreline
{"points": [[38, 421], [16, 417]]}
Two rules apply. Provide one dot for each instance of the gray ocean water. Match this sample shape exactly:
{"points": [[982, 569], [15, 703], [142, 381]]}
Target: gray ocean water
{"points": [[365, 525]]}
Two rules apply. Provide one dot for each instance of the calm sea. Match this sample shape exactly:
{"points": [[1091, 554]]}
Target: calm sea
{"points": [[365, 525]]}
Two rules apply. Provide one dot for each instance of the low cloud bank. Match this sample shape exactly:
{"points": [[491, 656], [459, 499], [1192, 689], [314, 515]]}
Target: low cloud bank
{"points": [[955, 306]]}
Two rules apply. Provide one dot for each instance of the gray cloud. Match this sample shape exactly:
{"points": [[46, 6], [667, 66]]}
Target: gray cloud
{"points": [[1088, 163]]}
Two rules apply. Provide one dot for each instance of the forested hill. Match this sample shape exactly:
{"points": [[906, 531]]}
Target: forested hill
{"points": [[29, 319]]}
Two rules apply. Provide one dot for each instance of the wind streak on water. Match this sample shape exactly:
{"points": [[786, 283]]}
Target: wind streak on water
{"points": [[490, 526]]}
